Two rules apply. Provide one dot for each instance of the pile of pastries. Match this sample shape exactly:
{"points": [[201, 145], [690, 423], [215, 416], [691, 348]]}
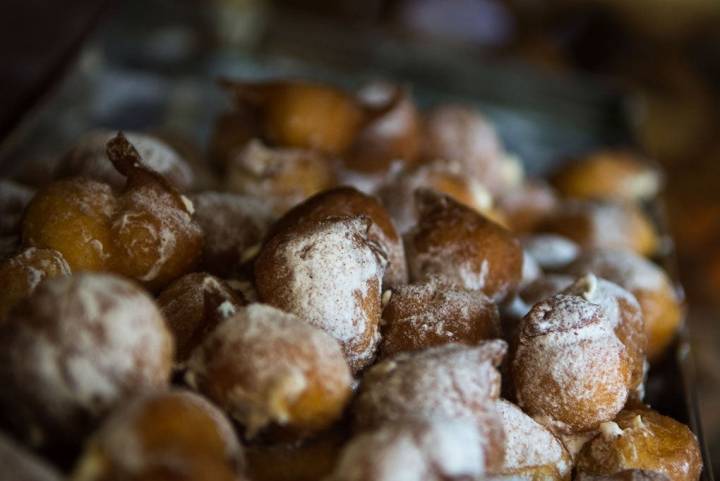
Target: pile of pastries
{"points": [[344, 288]]}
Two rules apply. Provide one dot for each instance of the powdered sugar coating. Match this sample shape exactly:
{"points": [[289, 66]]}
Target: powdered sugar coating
{"points": [[570, 366], [530, 445], [450, 381], [259, 363], [76, 347], [435, 312], [329, 274], [550, 251], [625, 268], [231, 224], [419, 451], [88, 159]]}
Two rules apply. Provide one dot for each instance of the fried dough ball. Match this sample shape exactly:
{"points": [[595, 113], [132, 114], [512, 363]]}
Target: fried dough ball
{"points": [[21, 465], [453, 133], [233, 226], [347, 201], [627, 475], [75, 348], [397, 192], [450, 381], [309, 460], [420, 450], [282, 176], [193, 306], [643, 439], [609, 174], [552, 252], [88, 159], [21, 274], [171, 436], [267, 368], [14, 197], [433, 313], [302, 114], [329, 274], [456, 242], [622, 311], [74, 217], [660, 303], [570, 370], [603, 225], [155, 238], [146, 232], [527, 205], [531, 451], [391, 137]]}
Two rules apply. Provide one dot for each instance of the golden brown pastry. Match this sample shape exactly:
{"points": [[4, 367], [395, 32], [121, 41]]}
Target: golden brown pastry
{"points": [[570, 370], [21, 274], [268, 368], [282, 176], [606, 224], [347, 201], [193, 306], [73, 350], [433, 313], [170, 436], [660, 303], [609, 174], [146, 232], [527, 205], [447, 381], [329, 274], [643, 439], [457, 243]]}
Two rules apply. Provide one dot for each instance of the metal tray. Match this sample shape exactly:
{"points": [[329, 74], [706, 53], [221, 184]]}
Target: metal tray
{"points": [[126, 78]]}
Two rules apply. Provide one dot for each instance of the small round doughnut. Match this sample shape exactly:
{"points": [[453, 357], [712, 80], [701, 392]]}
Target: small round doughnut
{"points": [[527, 205], [397, 192], [14, 197], [73, 216], [433, 313], [643, 439], [570, 370], [266, 368], [603, 224], [329, 274], [307, 460], [447, 381], [282, 176], [87, 158], [193, 306], [303, 114], [393, 136], [348, 201], [626, 475], [622, 311], [233, 226], [430, 450], [460, 244], [531, 450], [453, 133], [21, 274], [19, 464], [171, 436], [661, 305], [609, 174], [552, 252], [75, 348]]}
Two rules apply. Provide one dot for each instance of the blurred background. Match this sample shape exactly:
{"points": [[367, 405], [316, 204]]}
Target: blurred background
{"points": [[644, 73]]}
